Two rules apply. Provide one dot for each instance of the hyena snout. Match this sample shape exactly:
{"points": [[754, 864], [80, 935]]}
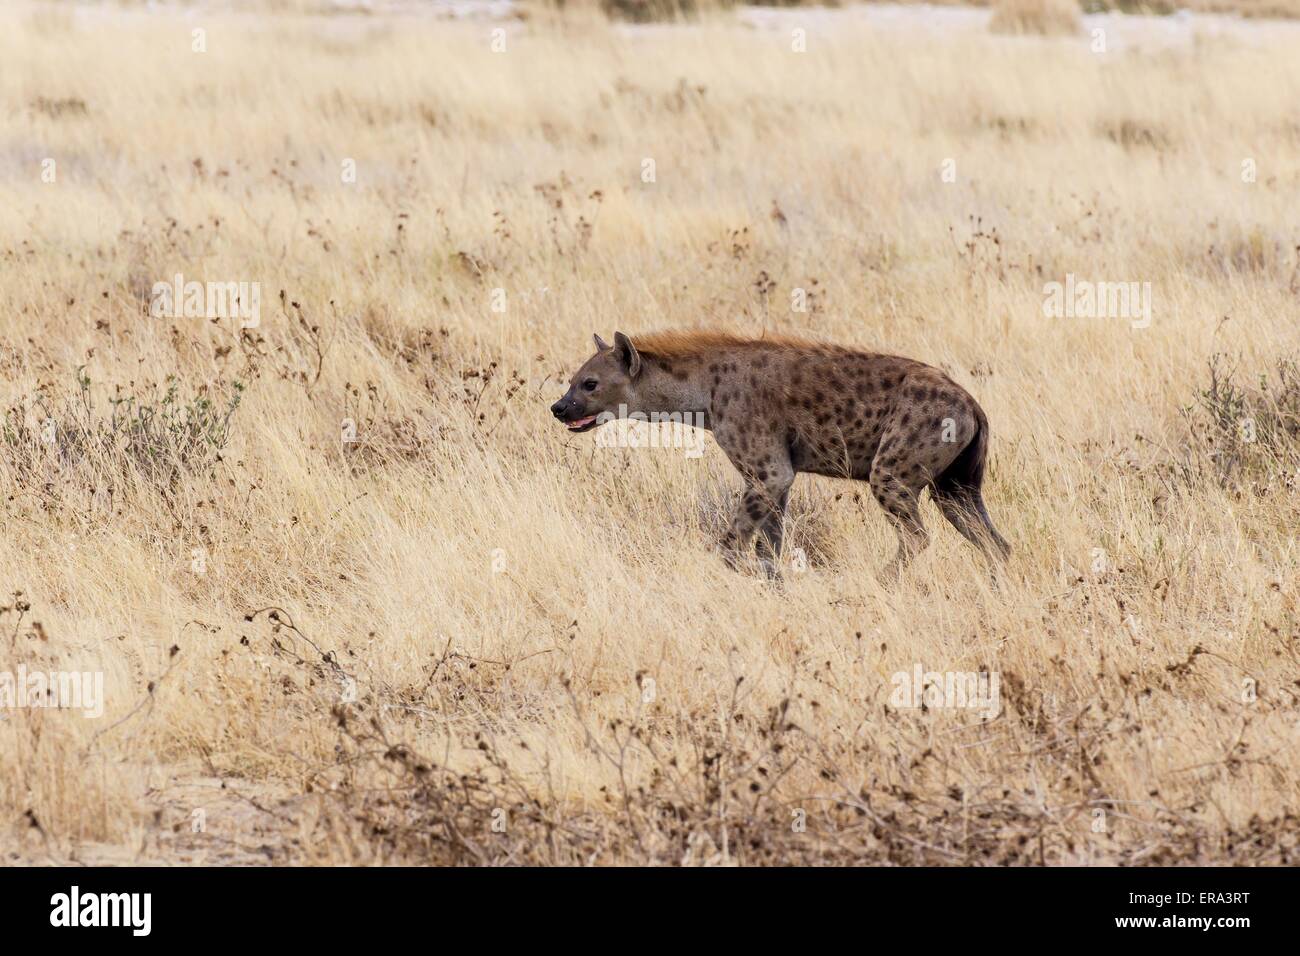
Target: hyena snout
{"points": [[573, 413]]}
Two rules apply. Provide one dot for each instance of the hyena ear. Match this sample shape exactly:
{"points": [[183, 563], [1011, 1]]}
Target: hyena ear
{"points": [[627, 354], [601, 344]]}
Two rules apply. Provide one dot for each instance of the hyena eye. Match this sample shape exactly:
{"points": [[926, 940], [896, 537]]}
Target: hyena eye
{"points": [[590, 384]]}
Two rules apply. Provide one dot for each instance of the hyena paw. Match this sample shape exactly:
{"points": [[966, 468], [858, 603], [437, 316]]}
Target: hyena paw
{"points": [[731, 554], [731, 557]]}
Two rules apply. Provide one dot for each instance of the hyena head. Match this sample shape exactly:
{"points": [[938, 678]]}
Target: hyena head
{"points": [[608, 383]]}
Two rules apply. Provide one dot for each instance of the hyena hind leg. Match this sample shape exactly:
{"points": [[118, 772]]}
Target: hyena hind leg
{"points": [[965, 511], [901, 504]]}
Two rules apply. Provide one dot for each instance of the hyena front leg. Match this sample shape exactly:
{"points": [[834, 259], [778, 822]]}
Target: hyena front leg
{"points": [[768, 476], [772, 531], [762, 509]]}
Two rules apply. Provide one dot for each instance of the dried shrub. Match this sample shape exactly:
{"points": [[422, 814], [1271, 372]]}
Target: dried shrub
{"points": [[158, 439], [752, 787], [1134, 134], [1242, 432], [650, 11], [1037, 17], [1250, 253], [57, 107]]}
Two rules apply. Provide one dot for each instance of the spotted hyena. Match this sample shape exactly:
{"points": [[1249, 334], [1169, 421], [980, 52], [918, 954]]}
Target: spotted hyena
{"points": [[778, 407]]}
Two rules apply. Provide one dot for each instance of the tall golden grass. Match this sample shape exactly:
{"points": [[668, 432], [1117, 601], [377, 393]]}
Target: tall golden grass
{"points": [[462, 635]]}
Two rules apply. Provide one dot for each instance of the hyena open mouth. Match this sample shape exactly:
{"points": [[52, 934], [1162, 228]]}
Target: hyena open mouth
{"points": [[582, 424]]}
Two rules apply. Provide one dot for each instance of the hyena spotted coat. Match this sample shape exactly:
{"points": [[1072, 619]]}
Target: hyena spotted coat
{"points": [[780, 406]]}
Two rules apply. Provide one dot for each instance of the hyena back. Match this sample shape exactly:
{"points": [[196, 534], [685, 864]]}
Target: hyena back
{"points": [[779, 407]]}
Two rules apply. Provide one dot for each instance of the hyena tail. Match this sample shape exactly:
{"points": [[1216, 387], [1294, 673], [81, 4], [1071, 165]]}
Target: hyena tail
{"points": [[957, 492]]}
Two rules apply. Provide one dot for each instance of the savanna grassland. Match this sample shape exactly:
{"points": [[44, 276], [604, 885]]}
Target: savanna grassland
{"points": [[357, 598]]}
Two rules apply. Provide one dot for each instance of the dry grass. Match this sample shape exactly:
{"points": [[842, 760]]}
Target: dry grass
{"points": [[469, 637]]}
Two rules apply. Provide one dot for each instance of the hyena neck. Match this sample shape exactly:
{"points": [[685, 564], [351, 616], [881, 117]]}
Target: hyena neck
{"points": [[676, 386]]}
